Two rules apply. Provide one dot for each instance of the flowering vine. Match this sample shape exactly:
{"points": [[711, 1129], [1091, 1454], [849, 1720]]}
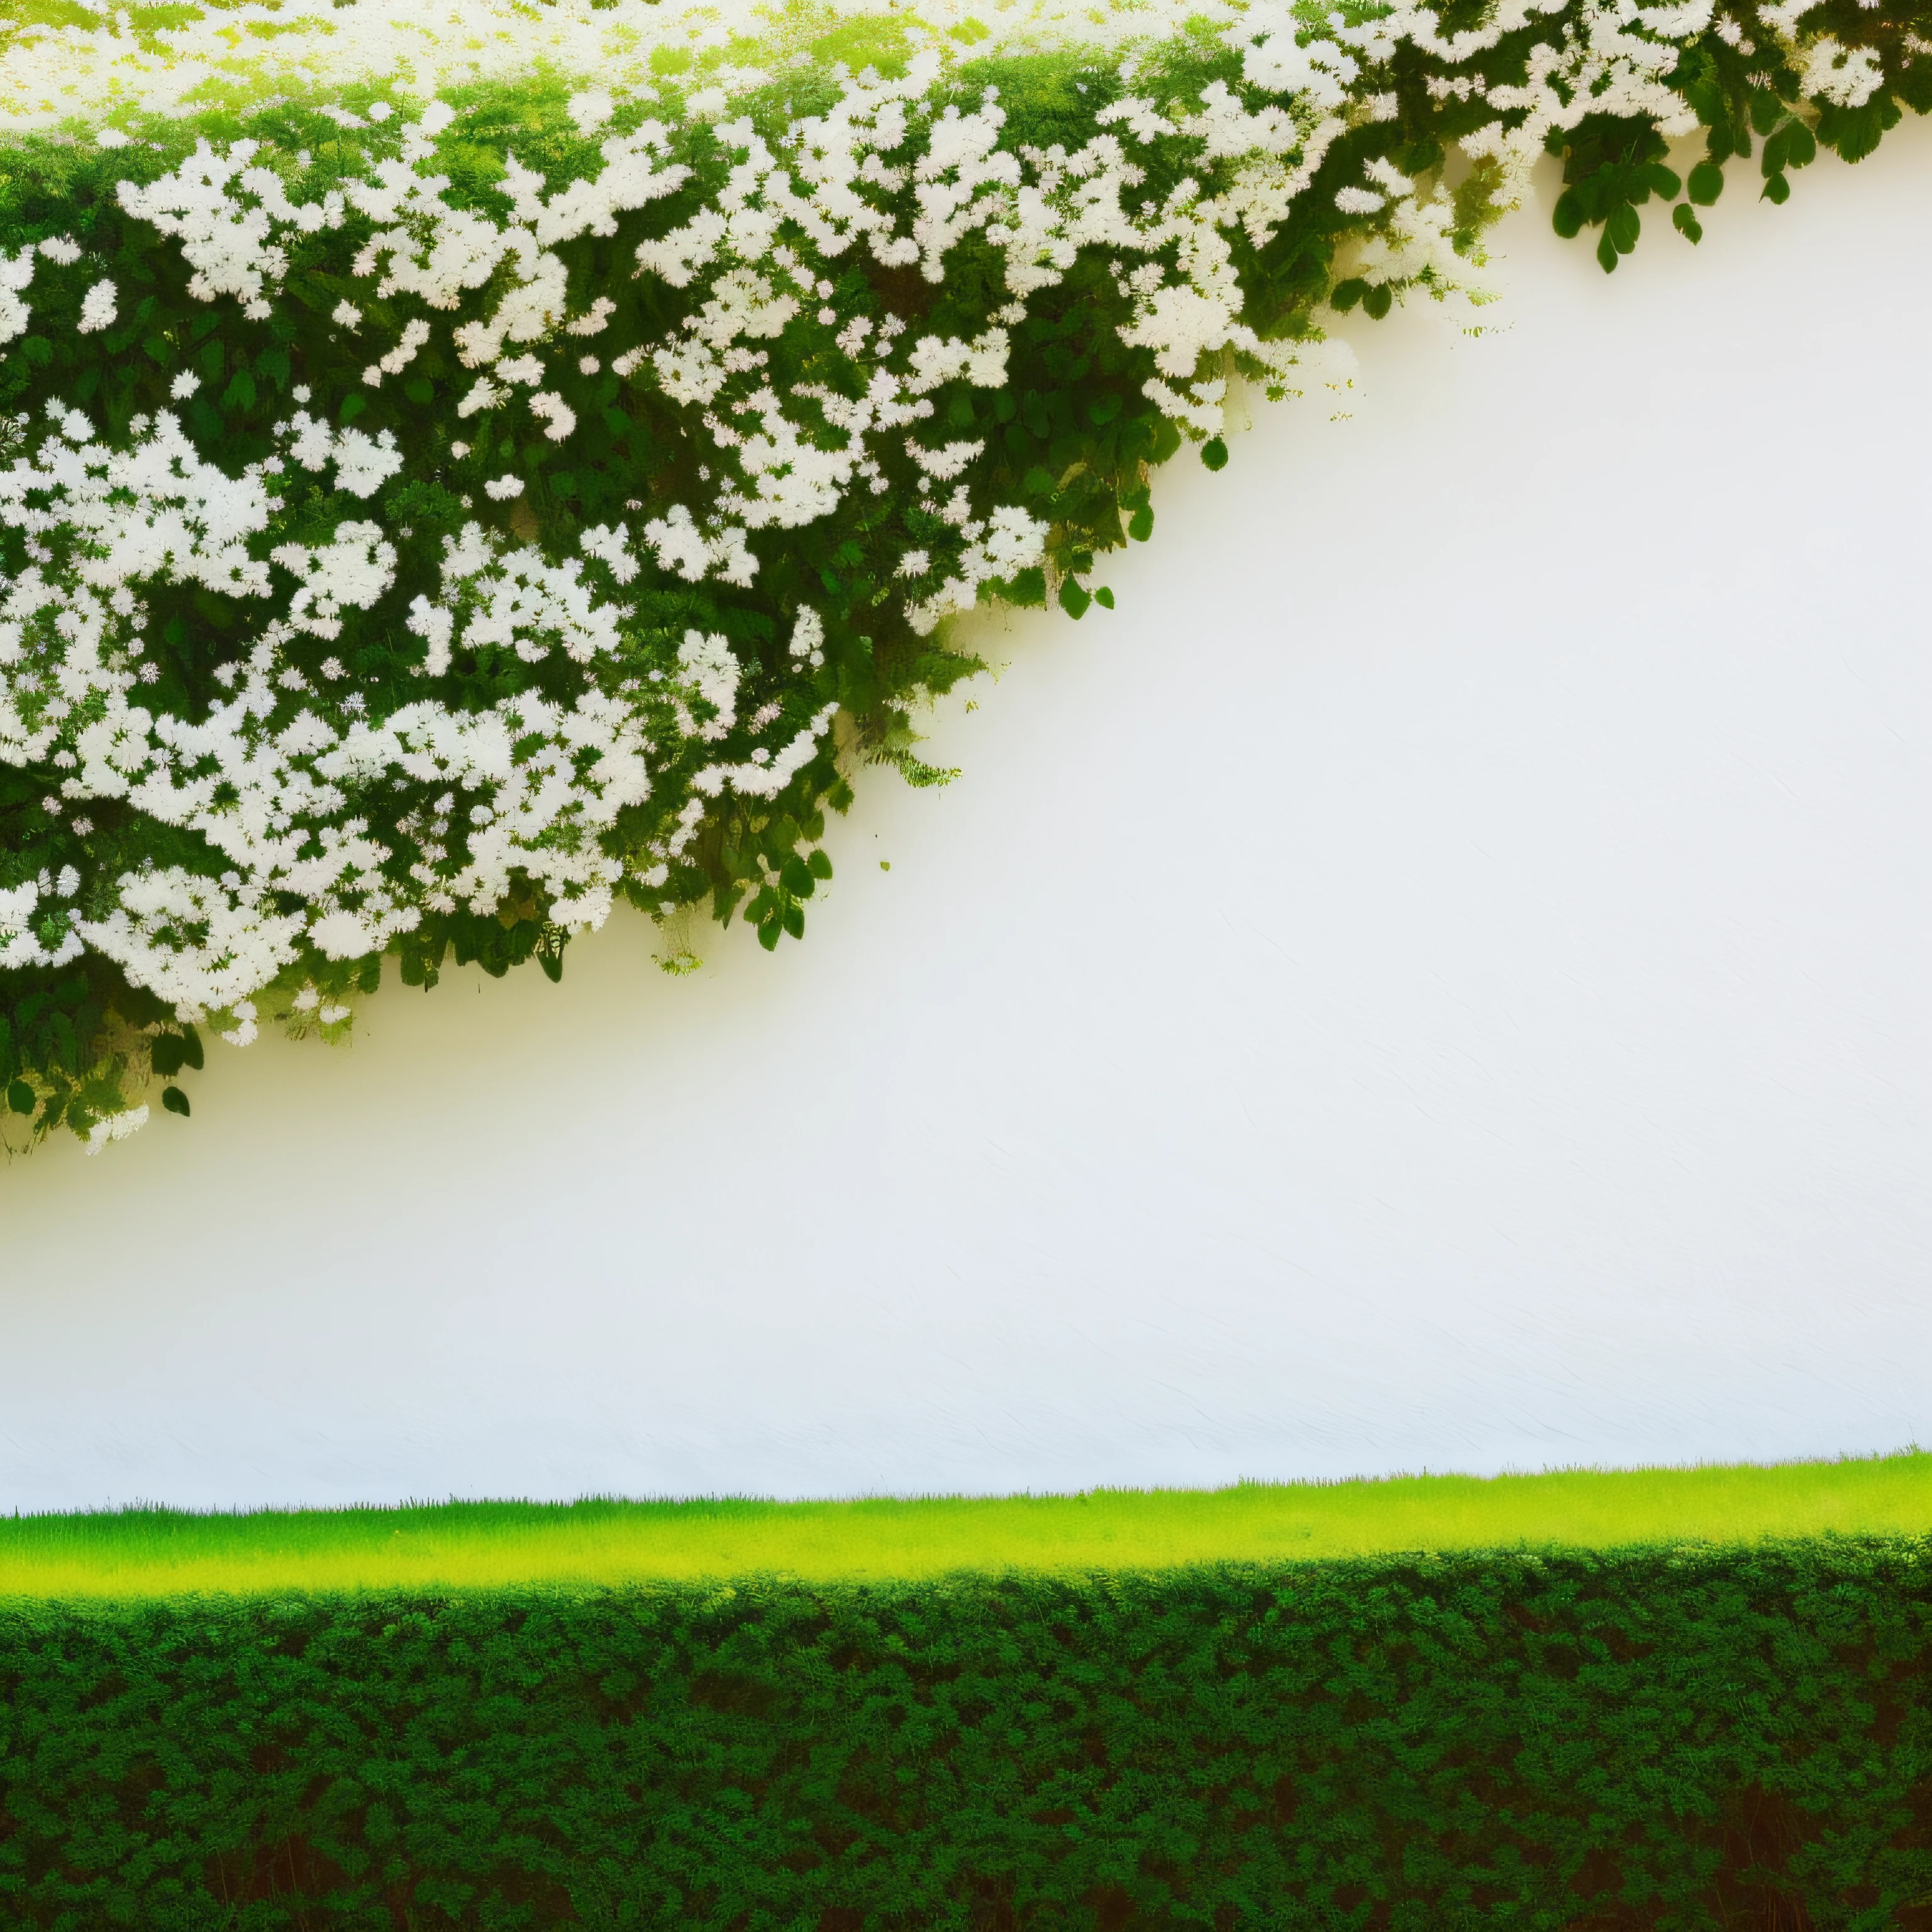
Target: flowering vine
{"points": [[461, 469]]}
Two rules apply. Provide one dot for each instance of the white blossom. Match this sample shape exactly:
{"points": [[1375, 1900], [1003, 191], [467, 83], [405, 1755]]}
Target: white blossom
{"points": [[98, 309], [274, 778]]}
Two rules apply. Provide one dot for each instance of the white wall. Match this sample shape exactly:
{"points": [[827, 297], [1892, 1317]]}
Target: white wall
{"points": [[1439, 979]]}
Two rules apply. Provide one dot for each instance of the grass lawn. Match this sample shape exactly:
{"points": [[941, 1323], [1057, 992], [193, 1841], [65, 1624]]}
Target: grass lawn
{"points": [[152, 1552]]}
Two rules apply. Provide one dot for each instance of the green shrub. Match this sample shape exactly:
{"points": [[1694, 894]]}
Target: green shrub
{"points": [[1667, 1739]]}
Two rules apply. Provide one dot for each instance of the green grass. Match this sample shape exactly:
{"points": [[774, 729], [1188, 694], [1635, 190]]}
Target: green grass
{"points": [[156, 1552]]}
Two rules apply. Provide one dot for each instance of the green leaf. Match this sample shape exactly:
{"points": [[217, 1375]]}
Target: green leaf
{"points": [[1707, 183], [796, 876], [1214, 454], [1623, 227], [20, 1097], [1378, 301], [552, 963], [769, 933], [1854, 132], [1766, 110], [1777, 191], [820, 864], [169, 1055], [794, 921], [1663, 182], [1349, 292], [175, 1101], [1568, 219], [1073, 598], [1140, 526], [1776, 150], [1104, 598], [1801, 145], [240, 393], [353, 404], [193, 1040], [1684, 220], [1606, 253]]}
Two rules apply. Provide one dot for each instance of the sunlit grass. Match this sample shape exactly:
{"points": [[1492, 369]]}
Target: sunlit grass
{"points": [[140, 1553]]}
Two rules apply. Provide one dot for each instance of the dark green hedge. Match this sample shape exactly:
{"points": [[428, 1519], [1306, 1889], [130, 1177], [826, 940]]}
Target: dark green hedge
{"points": [[1695, 1738]]}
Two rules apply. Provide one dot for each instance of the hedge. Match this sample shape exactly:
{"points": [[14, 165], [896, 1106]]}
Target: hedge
{"points": [[1656, 1737]]}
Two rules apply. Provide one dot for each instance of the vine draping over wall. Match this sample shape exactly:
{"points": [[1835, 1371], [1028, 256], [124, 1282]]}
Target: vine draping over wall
{"points": [[462, 465]]}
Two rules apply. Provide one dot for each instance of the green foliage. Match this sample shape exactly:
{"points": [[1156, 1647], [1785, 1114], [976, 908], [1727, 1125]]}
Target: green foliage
{"points": [[1071, 435], [1673, 1739], [1611, 167]]}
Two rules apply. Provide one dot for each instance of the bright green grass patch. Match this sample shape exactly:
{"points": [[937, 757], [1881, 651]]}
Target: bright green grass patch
{"points": [[150, 1552]]}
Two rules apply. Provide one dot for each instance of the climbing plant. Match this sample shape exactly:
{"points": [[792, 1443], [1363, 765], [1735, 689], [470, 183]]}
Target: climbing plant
{"points": [[458, 471]]}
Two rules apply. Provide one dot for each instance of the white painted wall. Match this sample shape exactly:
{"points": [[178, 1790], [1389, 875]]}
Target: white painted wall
{"points": [[1440, 979]]}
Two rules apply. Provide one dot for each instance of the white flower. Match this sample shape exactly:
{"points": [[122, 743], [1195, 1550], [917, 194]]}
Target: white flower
{"points": [[503, 488], [612, 549], [1845, 76], [115, 1127], [561, 417], [363, 467], [97, 310], [808, 635], [183, 386], [713, 672]]}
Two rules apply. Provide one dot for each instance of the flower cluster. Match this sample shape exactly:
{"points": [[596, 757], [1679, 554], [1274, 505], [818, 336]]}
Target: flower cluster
{"points": [[441, 495]]}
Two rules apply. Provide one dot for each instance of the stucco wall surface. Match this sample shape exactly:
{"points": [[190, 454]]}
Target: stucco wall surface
{"points": [[1438, 978]]}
